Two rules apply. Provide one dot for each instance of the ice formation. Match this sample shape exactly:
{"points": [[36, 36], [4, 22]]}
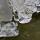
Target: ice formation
{"points": [[14, 11], [8, 30], [25, 9], [8, 27]]}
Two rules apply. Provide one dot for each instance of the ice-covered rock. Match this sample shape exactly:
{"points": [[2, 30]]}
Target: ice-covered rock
{"points": [[8, 27], [22, 12], [25, 9], [8, 30]]}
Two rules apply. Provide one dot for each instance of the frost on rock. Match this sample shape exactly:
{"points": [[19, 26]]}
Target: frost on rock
{"points": [[25, 9]]}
